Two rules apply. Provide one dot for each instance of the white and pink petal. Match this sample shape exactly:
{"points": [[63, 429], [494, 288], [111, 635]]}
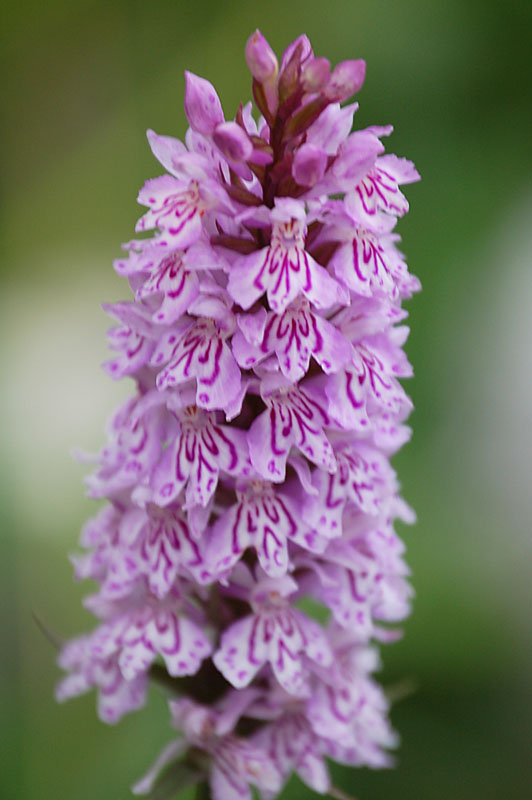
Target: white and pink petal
{"points": [[293, 417], [175, 207]]}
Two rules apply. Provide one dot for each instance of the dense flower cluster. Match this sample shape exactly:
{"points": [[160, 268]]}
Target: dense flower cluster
{"points": [[250, 470]]}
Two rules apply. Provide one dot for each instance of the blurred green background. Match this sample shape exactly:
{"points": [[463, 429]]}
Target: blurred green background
{"points": [[83, 79]]}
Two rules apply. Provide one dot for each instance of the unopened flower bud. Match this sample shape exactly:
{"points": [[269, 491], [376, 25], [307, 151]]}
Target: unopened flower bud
{"points": [[347, 78], [260, 58], [233, 141], [309, 165], [315, 74], [303, 44], [202, 104]]}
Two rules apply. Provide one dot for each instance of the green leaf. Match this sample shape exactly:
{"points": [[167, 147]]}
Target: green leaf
{"points": [[178, 776]]}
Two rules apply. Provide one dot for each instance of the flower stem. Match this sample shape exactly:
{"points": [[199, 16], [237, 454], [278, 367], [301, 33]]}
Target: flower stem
{"points": [[338, 794], [202, 791]]}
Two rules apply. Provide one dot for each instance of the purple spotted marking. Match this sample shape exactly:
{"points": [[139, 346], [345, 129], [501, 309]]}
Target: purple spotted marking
{"points": [[295, 336], [276, 634], [175, 207], [201, 450], [294, 418], [200, 354], [263, 519]]}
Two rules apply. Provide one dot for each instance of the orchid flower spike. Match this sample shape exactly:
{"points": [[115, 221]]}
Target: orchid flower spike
{"points": [[249, 471]]}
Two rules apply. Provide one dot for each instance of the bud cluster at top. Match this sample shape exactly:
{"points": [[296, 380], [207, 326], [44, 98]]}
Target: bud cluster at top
{"points": [[249, 473]]}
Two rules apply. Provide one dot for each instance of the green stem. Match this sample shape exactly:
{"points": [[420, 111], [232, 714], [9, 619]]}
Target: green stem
{"points": [[202, 791], [338, 794]]}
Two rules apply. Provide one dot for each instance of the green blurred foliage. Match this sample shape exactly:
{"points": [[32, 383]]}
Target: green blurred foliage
{"points": [[82, 82]]}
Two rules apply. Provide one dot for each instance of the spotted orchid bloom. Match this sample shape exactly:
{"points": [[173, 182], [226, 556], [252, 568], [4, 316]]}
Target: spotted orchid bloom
{"points": [[134, 448], [361, 585], [294, 417], [194, 459], [178, 201], [161, 274], [378, 194], [284, 269], [133, 340], [247, 479], [292, 746], [266, 520], [370, 264], [233, 763], [363, 480], [87, 669], [348, 708], [276, 634], [294, 336], [159, 543]]}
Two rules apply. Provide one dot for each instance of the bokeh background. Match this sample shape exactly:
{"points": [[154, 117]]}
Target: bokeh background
{"points": [[83, 79]]}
